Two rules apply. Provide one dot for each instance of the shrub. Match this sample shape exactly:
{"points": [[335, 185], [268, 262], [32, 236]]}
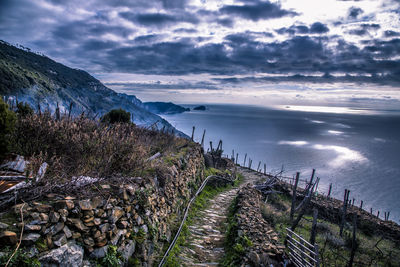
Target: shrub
{"points": [[7, 124], [24, 109], [116, 116], [20, 259], [112, 257], [85, 147]]}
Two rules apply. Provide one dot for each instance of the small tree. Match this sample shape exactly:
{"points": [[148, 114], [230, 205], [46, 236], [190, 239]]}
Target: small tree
{"points": [[7, 124], [116, 116], [24, 109]]}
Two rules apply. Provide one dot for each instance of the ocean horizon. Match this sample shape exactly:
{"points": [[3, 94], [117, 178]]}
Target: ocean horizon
{"points": [[357, 150]]}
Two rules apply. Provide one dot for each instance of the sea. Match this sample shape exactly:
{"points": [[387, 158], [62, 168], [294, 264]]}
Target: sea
{"points": [[359, 151]]}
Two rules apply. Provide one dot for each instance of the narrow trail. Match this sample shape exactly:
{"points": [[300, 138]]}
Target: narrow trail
{"points": [[207, 233]]}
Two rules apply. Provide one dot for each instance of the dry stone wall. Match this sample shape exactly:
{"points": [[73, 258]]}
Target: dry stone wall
{"points": [[265, 249], [138, 218]]}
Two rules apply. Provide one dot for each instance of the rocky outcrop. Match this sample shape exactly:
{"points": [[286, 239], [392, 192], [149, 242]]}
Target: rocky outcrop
{"points": [[264, 248], [67, 255], [137, 216]]}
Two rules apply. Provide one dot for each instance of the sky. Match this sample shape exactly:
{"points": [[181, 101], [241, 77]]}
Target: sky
{"points": [[311, 52]]}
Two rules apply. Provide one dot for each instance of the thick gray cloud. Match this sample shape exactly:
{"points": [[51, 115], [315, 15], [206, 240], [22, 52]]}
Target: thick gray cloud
{"points": [[172, 37], [257, 10], [318, 27], [354, 12], [159, 19]]}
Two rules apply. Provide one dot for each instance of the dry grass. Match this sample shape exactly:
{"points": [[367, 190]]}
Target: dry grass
{"points": [[86, 147]]}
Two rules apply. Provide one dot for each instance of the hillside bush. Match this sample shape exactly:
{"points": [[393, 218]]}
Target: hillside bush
{"points": [[24, 109], [84, 147], [7, 124], [116, 116]]}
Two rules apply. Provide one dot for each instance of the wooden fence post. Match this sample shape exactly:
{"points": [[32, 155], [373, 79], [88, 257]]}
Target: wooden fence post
{"points": [[258, 167], [244, 162], [354, 240], [362, 202], [193, 132], [265, 168], [58, 116], [345, 202], [294, 196], [314, 226], [70, 110], [330, 190], [211, 148], [303, 254], [202, 138], [237, 156], [316, 251]]}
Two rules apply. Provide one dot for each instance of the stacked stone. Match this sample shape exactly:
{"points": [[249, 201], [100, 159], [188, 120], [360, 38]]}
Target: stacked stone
{"points": [[89, 226], [266, 248]]}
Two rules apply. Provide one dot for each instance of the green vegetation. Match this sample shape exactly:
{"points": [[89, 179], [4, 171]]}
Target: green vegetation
{"points": [[20, 259], [235, 246], [7, 124], [112, 258], [85, 147], [139, 237], [373, 249], [116, 116], [24, 109], [199, 204], [21, 69]]}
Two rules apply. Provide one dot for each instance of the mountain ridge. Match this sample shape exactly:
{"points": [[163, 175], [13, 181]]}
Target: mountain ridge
{"points": [[41, 81]]}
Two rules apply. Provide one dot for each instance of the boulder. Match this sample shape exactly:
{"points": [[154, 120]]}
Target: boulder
{"points": [[67, 255], [55, 228], [59, 240], [54, 217], [117, 213], [32, 227], [30, 239], [127, 250], [99, 253], [78, 224], [67, 232], [8, 238], [64, 204]]}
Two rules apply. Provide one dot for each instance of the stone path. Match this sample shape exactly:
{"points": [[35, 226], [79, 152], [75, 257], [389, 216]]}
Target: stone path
{"points": [[207, 233]]}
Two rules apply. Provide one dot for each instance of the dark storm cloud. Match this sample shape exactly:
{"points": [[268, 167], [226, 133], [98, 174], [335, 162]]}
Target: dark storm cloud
{"points": [[391, 34], [159, 85], [158, 19], [315, 28], [319, 28], [257, 11], [185, 30], [354, 12], [364, 29], [77, 29], [85, 41], [225, 22]]}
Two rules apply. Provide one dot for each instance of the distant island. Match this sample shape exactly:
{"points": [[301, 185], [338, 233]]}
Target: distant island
{"points": [[164, 108], [200, 108]]}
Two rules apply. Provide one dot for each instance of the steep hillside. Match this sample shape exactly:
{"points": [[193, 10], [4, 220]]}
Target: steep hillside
{"points": [[38, 80]]}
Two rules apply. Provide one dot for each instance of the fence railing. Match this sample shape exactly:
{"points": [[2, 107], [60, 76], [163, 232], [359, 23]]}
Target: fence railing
{"points": [[301, 252]]}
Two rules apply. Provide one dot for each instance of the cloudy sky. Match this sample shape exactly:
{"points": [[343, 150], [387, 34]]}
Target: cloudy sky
{"points": [[308, 52]]}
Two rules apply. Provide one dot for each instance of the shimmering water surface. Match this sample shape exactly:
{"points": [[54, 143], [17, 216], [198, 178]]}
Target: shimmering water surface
{"points": [[358, 152]]}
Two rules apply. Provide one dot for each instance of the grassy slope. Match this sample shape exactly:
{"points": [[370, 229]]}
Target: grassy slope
{"points": [[334, 251]]}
